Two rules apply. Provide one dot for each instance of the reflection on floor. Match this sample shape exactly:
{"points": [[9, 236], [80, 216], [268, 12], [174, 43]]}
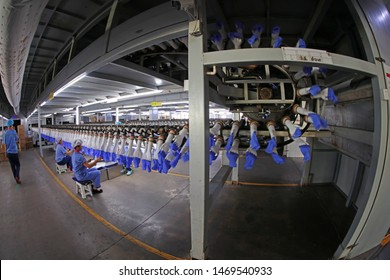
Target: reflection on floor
{"points": [[246, 222]]}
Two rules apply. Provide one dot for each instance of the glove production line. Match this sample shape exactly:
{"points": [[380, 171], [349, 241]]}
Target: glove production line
{"points": [[289, 93]]}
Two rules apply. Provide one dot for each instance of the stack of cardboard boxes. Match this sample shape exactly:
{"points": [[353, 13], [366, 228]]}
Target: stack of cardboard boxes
{"points": [[2, 153], [24, 142]]}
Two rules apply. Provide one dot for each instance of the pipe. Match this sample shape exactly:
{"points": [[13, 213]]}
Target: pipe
{"points": [[272, 143], [254, 142]]}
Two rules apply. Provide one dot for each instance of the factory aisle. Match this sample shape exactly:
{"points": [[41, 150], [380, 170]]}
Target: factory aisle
{"points": [[146, 216]]}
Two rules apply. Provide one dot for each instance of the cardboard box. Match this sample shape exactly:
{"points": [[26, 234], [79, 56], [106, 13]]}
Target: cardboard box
{"points": [[3, 157]]}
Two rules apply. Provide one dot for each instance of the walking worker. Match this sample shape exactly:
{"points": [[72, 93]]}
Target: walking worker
{"points": [[11, 139], [63, 155], [82, 168]]}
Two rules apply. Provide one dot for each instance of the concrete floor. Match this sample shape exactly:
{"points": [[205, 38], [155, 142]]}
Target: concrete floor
{"points": [[146, 215]]}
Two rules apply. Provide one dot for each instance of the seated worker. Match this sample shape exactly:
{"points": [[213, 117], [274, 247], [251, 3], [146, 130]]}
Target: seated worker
{"points": [[81, 167], [63, 155]]}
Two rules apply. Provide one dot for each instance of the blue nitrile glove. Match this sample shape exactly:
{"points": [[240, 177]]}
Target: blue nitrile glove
{"points": [[113, 156], [232, 158], [175, 160], [173, 147], [271, 145], [211, 141], [155, 164], [129, 160], [234, 35], [257, 29], [253, 39], [161, 156], [186, 157], [332, 96], [275, 30], [307, 70], [229, 142], [277, 158], [136, 162], [317, 121], [122, 159], [249, 160], [212, 156], [216, 38], [297, 133], [301, 43], [146, 165], [106, 156], [278, 42], [254, 143], [314, 90], [166, 166], [305, 150]]}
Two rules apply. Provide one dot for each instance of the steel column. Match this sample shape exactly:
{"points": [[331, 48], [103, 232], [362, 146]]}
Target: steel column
{"points": [[117, 114], [199, 141]]}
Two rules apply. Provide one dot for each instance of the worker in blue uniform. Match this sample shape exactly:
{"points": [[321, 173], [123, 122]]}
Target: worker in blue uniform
{"points": [[82, 168], [10, 140], [63, 155]]}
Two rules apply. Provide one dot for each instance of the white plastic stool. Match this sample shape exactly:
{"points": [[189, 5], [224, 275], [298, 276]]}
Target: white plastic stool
{"points": [[83, 187], [61, 168]]}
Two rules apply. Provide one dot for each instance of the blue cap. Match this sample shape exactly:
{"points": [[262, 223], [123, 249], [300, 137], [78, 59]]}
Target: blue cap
{"points": [[10, 122]]}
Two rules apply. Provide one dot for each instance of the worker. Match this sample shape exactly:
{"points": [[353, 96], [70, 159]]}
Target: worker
{"points": [[63, 155], [82, 168], [10, 140]]}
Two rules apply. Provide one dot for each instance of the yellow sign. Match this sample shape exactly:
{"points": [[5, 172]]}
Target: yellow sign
{"points": [[51, 96], [156, 104]]}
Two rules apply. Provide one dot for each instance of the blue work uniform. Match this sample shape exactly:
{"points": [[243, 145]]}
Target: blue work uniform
{"points": [[10, 139], [62, 158], [82, 173]]}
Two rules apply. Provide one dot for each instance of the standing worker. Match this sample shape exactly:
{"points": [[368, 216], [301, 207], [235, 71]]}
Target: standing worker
{"points": [[81, 167], [63, 155], [10, 140]]}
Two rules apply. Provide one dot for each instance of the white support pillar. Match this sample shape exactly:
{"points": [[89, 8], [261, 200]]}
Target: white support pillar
{"points": [[40, 131], [77, 115], [52, 119], [116, 114], [199, 140]]}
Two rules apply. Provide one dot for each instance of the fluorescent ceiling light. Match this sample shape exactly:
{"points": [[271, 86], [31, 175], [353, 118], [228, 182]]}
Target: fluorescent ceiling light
{"points": [[72, 82], [112, 100], [43, 103], [158, 81], [48, 115], [97, 110], [32, 113], [68, 109], [133, 96], [69, 115]]}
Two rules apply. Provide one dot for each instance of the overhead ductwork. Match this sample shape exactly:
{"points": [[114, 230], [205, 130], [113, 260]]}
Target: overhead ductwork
{"points": [[19, 20]]}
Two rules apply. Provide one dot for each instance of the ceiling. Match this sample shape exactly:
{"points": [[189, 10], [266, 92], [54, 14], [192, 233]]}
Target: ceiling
{"points": [[67, 28]]}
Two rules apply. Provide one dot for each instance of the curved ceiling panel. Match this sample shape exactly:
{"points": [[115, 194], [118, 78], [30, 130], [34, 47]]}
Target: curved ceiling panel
{"points": [[19, 20]]}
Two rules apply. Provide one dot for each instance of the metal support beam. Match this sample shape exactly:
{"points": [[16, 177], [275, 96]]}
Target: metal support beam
{"points": [[235, 177], [199, 140], [267, 56], [117, 114]]}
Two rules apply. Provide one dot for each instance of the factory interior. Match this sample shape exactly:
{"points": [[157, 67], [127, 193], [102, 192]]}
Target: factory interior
{"points": [[227, 130]]}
